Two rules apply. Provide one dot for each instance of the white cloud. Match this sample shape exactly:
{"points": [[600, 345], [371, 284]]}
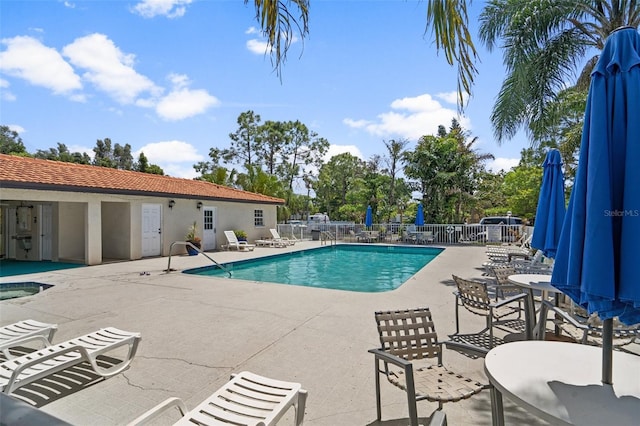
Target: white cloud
{"points": [[332, 152], [69, 5], [183, 102], [501, 163], [176, 158], [257, 46], [82, 149], [341, 149], [452, 97], [30, 60], [260, 45], [16, 128], [6, 95], [168, 8], [108, 68], [356, 124], [410, 117]]}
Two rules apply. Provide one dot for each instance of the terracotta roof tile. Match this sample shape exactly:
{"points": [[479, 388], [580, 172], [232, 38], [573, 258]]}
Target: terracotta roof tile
{"points": [[24, 172]]}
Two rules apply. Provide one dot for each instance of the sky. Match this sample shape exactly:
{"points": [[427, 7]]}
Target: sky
{"points": [[171, 77]]}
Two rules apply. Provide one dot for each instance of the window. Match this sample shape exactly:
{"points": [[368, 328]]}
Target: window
{"points": [[258, 218], [208, 220]]}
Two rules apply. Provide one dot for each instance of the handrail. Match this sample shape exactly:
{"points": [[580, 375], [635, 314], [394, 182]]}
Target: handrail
{"points": [[327, 236], [188, 244]]}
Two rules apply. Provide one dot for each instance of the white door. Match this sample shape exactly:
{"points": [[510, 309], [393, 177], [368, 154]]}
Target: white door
{"points": [[45, 231], [151, 241], [209, 229]]}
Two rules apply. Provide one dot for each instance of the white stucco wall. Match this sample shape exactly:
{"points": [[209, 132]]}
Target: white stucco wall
{"points": [[91, 227]]}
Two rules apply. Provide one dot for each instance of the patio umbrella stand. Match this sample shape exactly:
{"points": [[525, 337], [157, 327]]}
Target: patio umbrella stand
{"points": [[597, 253]]}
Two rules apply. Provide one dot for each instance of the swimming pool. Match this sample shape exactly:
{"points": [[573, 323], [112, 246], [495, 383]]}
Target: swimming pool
{"points": [[352, 267], [15, 290]]}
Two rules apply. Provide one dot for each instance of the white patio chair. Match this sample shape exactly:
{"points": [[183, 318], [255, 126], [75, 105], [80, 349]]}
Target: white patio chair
{"points": [[247, 399], [21, 371], [233, 243], [25, 332], [282, 240]]}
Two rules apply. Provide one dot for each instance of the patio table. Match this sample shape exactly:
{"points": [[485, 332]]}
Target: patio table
{"points": [[531, 282], [561, 383]]}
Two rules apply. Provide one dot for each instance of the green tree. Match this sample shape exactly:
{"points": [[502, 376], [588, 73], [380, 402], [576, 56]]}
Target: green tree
{"points": [[431, 166], [103, 154], [10, 142], [564, 127], [544, 42], [243, 142], [395, 153], [216, 174], [522, 183], [142, 165], [256, 180], [337, 180], [301, 148], [270, 141], [446, 170], [116, 157], [490, 199], [62, 153], [123, 157]]}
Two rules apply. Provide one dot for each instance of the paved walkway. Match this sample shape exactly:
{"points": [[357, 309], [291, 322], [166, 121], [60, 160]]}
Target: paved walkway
{"points": [[197, 330]]}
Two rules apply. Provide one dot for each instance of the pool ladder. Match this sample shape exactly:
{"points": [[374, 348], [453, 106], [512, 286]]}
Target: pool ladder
{"points": [[327, 236], [188, 244]]}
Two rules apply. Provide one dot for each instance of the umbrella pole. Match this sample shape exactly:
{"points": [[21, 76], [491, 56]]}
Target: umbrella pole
{"points": [[607, 352]]}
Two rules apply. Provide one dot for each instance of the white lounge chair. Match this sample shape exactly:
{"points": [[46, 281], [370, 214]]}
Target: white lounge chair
{"points": [[21, 371], [25, 332], [269, 242], [247, 399], [233, 243], [282, 240]]}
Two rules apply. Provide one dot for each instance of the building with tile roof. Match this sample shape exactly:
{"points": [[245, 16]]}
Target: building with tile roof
{"points": [[57, 211]]}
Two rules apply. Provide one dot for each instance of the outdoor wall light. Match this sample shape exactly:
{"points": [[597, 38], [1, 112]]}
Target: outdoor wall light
{"points": [[199, 205], [171, 204]]}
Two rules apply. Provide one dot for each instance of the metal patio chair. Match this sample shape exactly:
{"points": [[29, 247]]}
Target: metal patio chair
{"points": [[503, 314], [408, 336], [586, 329]]}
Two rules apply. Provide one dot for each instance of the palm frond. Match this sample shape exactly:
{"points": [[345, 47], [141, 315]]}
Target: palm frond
{"points": [[449, 21], [278, 23]]}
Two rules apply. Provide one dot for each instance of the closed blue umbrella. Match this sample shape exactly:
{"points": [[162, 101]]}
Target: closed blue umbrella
{"points": [[368, 219], [596, 261], [419, 216], [551, 209]]}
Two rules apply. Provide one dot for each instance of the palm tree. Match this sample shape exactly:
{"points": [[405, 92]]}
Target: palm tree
{"points": [[544, 44]]}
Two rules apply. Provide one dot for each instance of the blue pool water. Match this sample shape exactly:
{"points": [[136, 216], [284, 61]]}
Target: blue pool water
{"points": [[22, 289], [352, 267]]}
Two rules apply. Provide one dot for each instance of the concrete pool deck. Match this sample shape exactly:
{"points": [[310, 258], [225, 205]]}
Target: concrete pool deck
{"points": [[198, 330]]}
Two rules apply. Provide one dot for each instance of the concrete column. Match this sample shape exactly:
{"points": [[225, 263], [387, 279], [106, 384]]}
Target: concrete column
{"points": [[93, 231]]}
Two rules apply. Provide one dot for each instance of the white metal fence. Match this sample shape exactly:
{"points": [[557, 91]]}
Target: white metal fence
{"points": [[410, 234]]}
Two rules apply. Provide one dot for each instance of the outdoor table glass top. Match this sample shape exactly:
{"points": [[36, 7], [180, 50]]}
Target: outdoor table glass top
{"points": [[561, 382]]}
